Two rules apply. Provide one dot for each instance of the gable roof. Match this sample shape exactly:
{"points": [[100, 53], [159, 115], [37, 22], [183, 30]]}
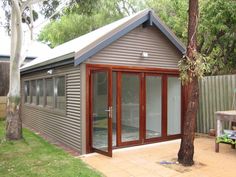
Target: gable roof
{"points": [[89, 44]]}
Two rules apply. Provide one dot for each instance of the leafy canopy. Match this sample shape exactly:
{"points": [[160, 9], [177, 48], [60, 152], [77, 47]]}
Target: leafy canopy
{"points": [[79, 19]]}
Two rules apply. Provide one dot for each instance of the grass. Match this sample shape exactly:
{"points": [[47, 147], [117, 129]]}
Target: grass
{"points": [[34, 157]]}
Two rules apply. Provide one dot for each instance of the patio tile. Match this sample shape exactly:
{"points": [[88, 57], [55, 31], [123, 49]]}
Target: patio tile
{"points": [[144, 162]]}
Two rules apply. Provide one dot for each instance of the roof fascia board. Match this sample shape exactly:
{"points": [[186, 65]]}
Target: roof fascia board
{"points": [[110, 40], [53, 65], [4, 56], [55, 60], [8, 56], [168, 34]]}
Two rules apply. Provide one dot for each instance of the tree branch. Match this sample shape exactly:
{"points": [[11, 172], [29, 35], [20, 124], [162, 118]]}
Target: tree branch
{"points": [[29, 3]]}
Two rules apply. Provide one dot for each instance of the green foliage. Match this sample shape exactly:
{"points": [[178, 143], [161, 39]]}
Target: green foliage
{"points": [[217, 34], [193, 68], [173, 13], [73, 25], [225, 139], [34, 157], [81, 18], [216, 31]]}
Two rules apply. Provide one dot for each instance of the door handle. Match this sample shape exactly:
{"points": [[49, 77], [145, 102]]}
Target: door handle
{"points": [[109, 112]]}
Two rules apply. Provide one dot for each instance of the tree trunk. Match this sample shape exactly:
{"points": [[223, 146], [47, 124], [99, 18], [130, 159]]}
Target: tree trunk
{"points": [[186, 151], [13, 121]]}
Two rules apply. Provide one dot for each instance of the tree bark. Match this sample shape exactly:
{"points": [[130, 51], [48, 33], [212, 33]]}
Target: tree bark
{"points": [[13, 121], [186, 151]]}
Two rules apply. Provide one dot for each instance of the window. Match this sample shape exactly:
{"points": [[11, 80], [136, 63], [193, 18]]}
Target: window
{"points": [[40, 94], [27, 91], [46, 92], [60, 99], [49, 92], [33, 91]]}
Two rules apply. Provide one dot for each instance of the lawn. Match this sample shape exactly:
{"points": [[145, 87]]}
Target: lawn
{"points": [[33, 156]]}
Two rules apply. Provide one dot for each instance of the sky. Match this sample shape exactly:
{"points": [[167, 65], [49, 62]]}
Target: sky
{"points": [[34, 46], [39, 23]]}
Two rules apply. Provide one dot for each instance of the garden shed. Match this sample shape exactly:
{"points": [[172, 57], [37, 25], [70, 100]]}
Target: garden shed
{"points": [[114, 87]]}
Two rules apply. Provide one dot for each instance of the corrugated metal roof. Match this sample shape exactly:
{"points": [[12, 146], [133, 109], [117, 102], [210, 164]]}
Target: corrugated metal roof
{"points": [[35, 49], [88, 42]]}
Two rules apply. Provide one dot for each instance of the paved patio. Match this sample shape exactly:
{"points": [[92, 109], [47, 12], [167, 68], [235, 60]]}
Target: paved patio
{"points": [[143, 161]]}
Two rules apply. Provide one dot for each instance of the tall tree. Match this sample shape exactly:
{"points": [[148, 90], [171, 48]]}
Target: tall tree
{"points": [[18, 9], [13, 121], [17, 12], [186, 151]]}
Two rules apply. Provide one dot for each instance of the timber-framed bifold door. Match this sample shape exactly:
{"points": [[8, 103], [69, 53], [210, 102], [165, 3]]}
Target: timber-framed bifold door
{"points": [[100, 110], [129, 106]]}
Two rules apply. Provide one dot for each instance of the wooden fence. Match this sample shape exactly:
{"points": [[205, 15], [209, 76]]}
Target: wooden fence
{"points": [[216, 94], [4, 78], [4, 86], [3, 100]]}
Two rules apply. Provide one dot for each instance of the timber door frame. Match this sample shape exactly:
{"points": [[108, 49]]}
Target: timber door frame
{"points": [[89, 109], [119, 109], [144, 71]]}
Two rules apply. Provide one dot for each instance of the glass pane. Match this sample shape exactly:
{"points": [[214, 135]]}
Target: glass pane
{"points": [[49, 92], [100, 105], [174, 106], [153, 106], [33, 92], [60, 89], [114, 109], [27, 92], [130, 107], [40, 92]]}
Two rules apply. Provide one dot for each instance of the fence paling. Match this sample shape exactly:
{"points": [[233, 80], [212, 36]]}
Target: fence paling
{"points": [[216, 94]]}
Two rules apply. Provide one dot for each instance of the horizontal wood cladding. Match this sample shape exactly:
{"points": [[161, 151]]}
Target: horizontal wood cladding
{"points": [[127, 50], [66, 127]]}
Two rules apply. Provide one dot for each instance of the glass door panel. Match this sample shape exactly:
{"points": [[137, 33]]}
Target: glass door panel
{"points": [[101, 112], [130, 107], [153, 106], [174, 106]]}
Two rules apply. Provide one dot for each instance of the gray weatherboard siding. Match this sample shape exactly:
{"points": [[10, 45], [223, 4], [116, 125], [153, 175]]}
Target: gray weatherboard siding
{"points": [[64, 128], [127, 50]]}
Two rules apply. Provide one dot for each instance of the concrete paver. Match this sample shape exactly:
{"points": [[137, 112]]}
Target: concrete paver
{"points": [[143, 161]]}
